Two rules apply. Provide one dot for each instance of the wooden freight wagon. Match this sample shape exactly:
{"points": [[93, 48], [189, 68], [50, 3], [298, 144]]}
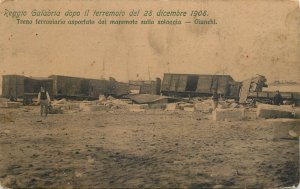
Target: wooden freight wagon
{"points": [[98, 87], [198, 85], [13, 86], [86, 88], [32, 87], [70, 87], [26, 88]]}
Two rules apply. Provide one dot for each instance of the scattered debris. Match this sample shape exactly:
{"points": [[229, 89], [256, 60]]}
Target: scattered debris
{"points": [[3, 102], [102, 98], [189, 109], [61, 101], [230, 114], [158, 106], [297, 113], [272, 111], [93, 108], [111, 98], [172, 107], [285, 128], [183, 105], [55, 110], [255, 84], [136, 110], [204, 106], [151, 99], [11, 104]]}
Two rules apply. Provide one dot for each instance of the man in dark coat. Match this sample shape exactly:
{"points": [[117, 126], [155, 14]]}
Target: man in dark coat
{"points": [[44, 100], [277, 99]]}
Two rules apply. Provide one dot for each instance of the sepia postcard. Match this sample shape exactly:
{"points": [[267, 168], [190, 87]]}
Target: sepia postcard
{"points": [[149, 94]]}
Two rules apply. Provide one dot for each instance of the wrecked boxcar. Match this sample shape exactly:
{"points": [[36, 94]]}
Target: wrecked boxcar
{"points": [[32, 86], [84, 88], [13, 86], [146, 86], [18, 86], [58, 86], [98, 87], [117, 89], [70, 87], [254, 84], [199, 85], [252, 89]]}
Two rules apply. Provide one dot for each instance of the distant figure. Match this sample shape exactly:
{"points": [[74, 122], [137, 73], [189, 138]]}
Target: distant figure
{"points": [[11, 96], [215, 99], [277, 99], [44, 100]]}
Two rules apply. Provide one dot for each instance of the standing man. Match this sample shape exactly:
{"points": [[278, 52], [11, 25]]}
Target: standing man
{"points": [[11, 95], [277, 99], [215, 99], [44, 100]]}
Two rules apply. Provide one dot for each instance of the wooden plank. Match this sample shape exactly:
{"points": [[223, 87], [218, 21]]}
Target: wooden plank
{"points": [[182, 83], [214, 84], [166, 82], [223, 84], [174, 83], [204, 84]]}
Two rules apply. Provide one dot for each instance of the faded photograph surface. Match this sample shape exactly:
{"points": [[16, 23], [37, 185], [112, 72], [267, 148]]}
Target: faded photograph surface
{"points": [[149, 94]]}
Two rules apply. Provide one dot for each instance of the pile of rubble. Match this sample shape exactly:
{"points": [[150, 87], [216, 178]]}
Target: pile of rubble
{"points": [[5, 103], [110, 103], [227, 110]]}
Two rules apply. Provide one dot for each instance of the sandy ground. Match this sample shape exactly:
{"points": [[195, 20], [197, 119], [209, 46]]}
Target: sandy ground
{"points": [[113, 149]]}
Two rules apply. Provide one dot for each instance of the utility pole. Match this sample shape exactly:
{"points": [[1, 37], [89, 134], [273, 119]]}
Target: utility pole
{"points": [[127, 69], [149, 72], [168, 64], [103, 69]]}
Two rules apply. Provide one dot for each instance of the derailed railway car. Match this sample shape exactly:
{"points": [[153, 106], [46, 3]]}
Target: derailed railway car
{"points": [[79, 88], [21, 87], [117, 89], [26, 88], [199, 85], [13, 86], [85, 88], [98, 87], [32, 87], [70, 87]]}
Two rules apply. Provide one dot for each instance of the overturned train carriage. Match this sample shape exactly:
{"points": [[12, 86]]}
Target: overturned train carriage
{"points": [[199, 85]]}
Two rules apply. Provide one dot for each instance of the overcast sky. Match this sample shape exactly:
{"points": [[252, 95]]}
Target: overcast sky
{"points": [[251, 37]]}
